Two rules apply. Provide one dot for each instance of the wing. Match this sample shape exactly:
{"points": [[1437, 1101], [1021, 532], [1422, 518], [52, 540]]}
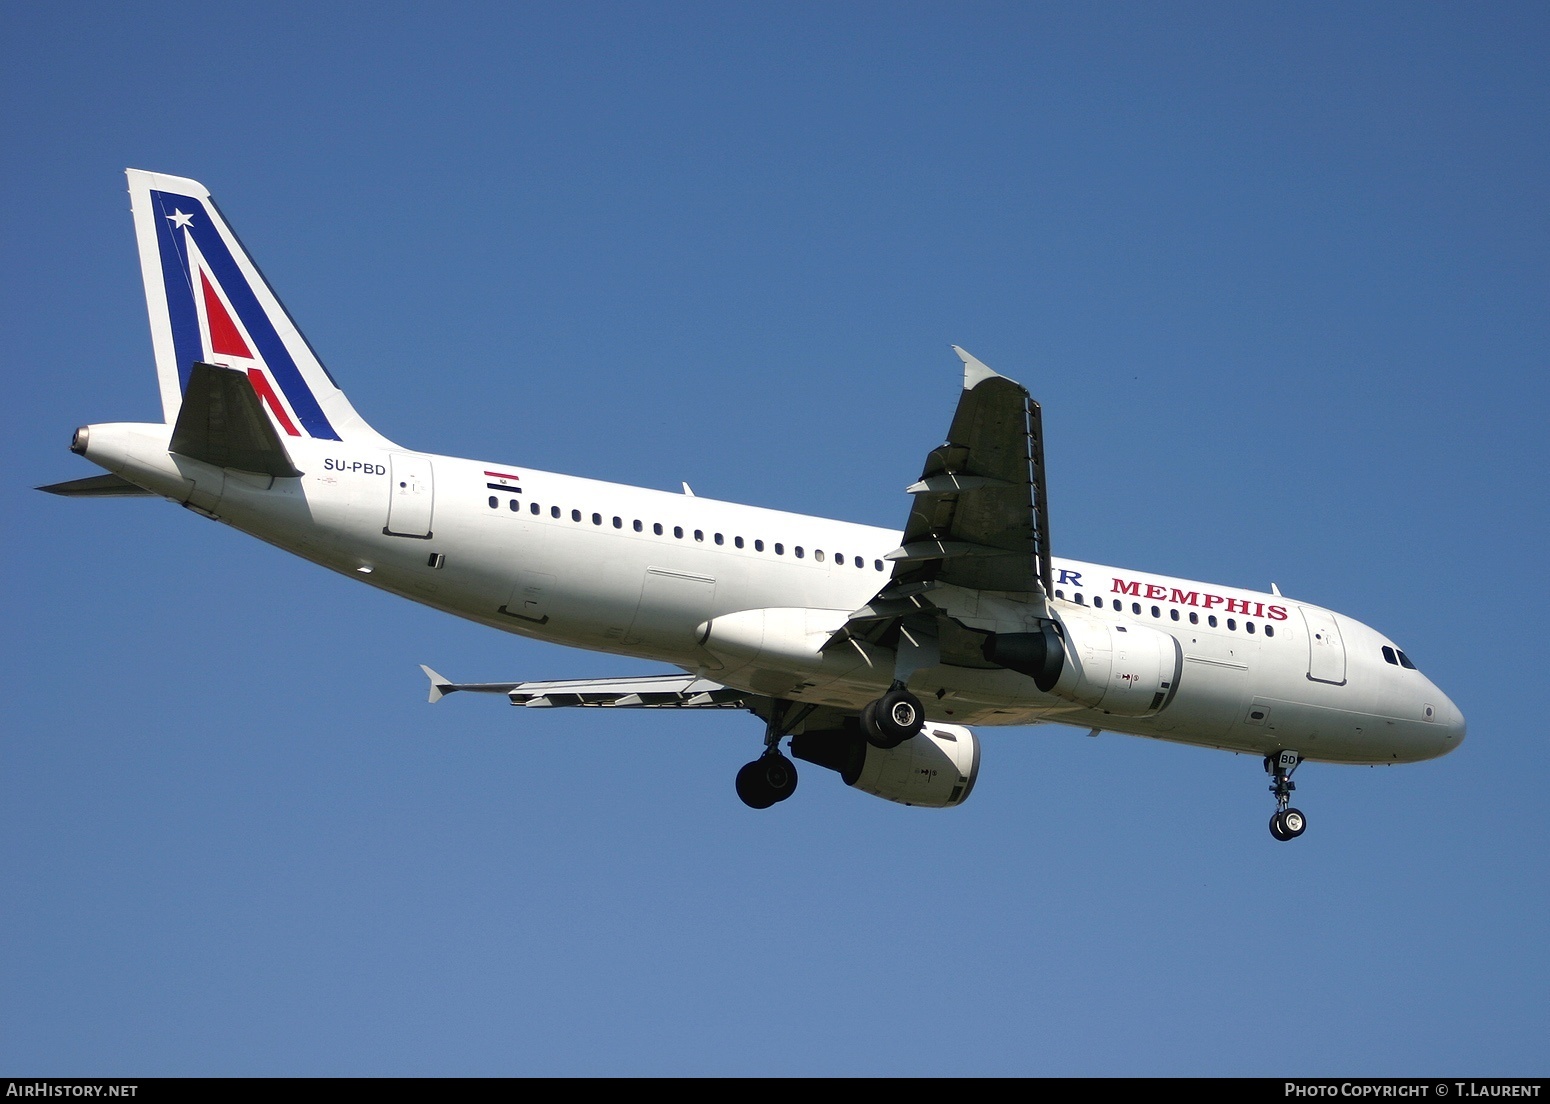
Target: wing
{"points": [[634, 692], [979, 517], [675, 691], [979, 522], [222, 422]]}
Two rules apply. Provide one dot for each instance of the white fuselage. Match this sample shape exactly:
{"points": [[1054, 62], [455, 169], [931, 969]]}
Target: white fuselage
{"points": [[645, 573]]}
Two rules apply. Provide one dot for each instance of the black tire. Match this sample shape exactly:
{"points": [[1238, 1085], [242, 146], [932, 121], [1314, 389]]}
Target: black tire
{"points": [[874, 734], [897, 716], [1277, 829], [753, 787], [1293, 823]]}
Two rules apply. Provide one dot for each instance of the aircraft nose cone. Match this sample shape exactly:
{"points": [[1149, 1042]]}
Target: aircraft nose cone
{"points": [[1451, 721]]}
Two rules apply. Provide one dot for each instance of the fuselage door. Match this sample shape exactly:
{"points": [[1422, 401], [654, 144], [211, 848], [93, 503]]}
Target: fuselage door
{"points": [[411, 497], [1326, 651]]}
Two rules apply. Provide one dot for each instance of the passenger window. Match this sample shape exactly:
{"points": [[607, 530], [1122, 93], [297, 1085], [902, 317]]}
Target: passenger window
{"points": [[656, 527], [699, 535], [1194, 618], [839, 558], [758, 546], [818, 554], [1079, 600], [493, 503], [799, 551], [1097, 601], [1270, 630], [1231, 624], [638, 526], [1211, 620], [575, 515], [1135, 608], [678, 531], [516, 507], [1173, 613], [877, 564], [780, 549], [738, 541], [1156, 612], [1059, 593], [534, 507], [554, 511], [720, 539], [860, 562], [1248, 626], [597, 519], [618, 523]]}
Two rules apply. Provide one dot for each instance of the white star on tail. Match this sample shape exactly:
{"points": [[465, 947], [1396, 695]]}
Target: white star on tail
{"points": [[179, 219]]}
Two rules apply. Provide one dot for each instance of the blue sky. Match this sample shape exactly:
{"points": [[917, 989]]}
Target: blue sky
{"points": [[1278, 275]]}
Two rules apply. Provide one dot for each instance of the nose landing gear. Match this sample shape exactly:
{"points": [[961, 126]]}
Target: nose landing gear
{"points": [[1286, 823]]}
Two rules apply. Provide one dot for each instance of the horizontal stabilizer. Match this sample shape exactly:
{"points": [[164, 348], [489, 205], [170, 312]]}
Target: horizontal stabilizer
{"points": [[222, 422], [98, 486]]}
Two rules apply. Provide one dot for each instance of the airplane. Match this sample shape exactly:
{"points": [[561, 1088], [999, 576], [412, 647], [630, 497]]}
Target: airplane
{"points": [[869, 651]]}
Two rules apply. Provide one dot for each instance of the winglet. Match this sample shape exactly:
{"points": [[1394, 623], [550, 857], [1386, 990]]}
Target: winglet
{"points": [[440, 687], [975, 372]]}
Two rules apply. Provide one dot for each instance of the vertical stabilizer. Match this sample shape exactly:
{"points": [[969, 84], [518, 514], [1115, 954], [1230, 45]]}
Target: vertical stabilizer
{"points": [[209, 303]]}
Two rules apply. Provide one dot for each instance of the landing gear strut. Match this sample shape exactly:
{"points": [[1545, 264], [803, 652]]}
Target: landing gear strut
{"points": [[771, 777], [1287, 823]]}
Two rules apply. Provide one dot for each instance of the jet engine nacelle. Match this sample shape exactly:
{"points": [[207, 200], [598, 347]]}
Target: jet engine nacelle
{"points": [[1128, 670], [935, 768]]}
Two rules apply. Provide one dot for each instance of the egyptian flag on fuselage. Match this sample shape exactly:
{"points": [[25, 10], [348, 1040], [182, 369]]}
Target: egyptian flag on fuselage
{"points": [[503, 481]]}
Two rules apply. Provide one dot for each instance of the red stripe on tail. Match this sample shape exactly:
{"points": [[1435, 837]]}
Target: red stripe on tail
{"points": [[260, 384], [225, 338]]}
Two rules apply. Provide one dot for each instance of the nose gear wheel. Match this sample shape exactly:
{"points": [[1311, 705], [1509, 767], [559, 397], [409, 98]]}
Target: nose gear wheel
{"points": [[1287, 823]]}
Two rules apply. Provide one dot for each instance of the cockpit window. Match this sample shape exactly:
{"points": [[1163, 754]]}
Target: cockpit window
{"points": [[1397, 658]]}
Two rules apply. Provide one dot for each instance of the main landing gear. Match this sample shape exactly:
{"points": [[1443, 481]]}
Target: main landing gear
{"points": [[892, 718], [768, 779], [771, 777], [1287, 823]]}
